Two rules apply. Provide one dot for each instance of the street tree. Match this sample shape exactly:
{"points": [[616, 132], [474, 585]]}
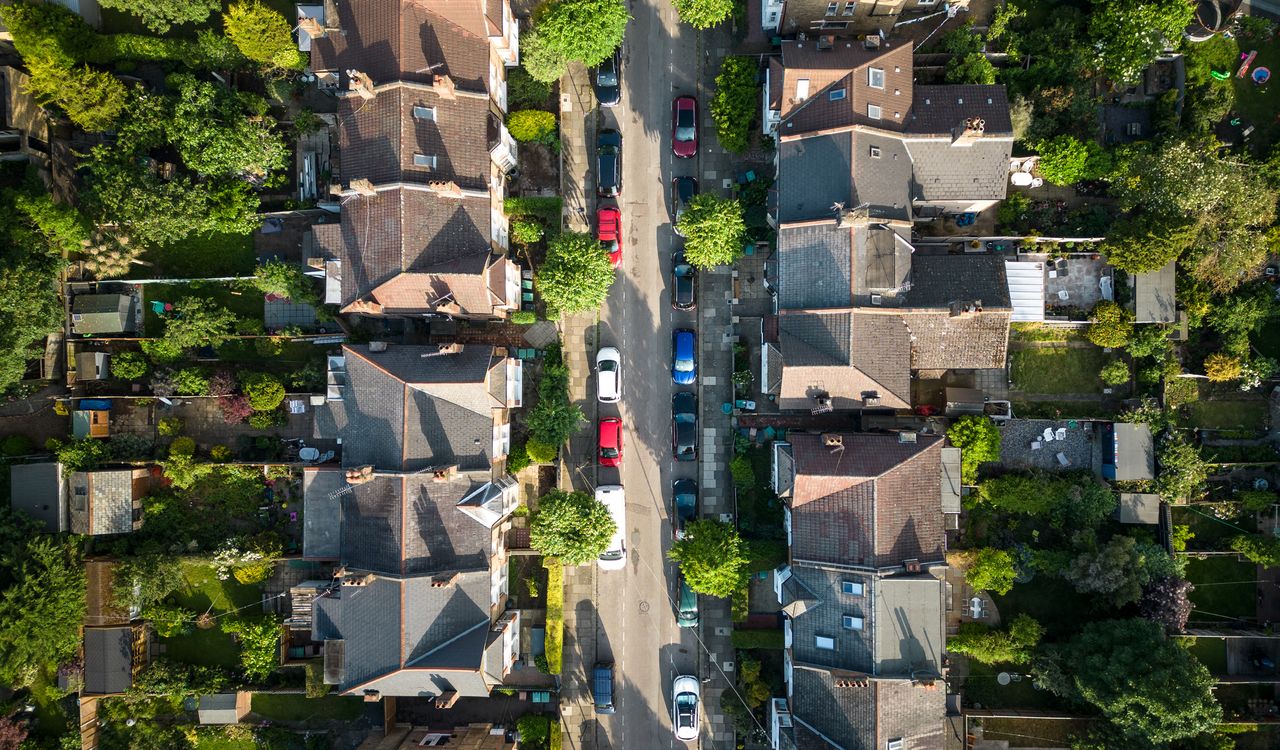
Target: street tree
{"points": [[576, 275], [571, 526], [990, 569], [990, 646], [714, 231], [160, 15], [703, 14], [544, 63], [587, 31], [1129, 34], [1147, 686], [979, 442], [733, 107], [713, 557]]}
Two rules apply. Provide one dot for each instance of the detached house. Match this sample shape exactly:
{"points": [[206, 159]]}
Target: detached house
{"points": [[414, 523], [424, 154], [862, 594], [862, 154]]}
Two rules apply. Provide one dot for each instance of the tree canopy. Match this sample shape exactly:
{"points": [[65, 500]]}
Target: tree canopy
{"points": [[1147, 686], [1012, 646], [714, 231], [587, 31], [571, 526], [262, 35], [576, 275], [978, 441], [219, 132], [1128, 34], [30, 263], [1065, 501], [733, 107], [160, 15], [703, 14], [990, 569], [712, 556], [41, 610]]}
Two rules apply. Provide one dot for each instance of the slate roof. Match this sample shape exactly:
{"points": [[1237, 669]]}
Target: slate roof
{"points": [[944, 172], [410, 637], [102, 502], [403, 40], [844, 354], [410, 525], [411, 407], [322, 512], [805, 249], [864, 716], [108, 660], [813, 174], [39, 491], [875, 503]]}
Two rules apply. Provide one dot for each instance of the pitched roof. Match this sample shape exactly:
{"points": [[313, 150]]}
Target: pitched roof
{"points": [[937, 110], [410, 407], [942, 171], [845, 354], [873, 503], [844, 66], [102, 501], [101, 313], [832, 711], [824, 265], [813, 174], [940, 341]]}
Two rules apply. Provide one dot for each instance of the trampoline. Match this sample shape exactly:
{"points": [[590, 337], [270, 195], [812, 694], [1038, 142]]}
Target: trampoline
{"points": [[1260, 75]]}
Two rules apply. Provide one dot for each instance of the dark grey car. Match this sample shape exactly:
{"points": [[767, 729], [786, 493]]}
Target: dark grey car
{"points": [[684, 280], [607, 80], [684, 426], [682, 191], [609, 164]]}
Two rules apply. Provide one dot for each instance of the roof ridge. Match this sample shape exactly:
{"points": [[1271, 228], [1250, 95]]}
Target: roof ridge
{"points": [[446, 644]]}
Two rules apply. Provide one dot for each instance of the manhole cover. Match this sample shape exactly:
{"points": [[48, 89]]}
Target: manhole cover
{"points": [[644, 608]]}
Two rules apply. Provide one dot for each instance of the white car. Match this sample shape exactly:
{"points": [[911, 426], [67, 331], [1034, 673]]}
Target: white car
{"points": [[684, 707], [615, 555], [608, 375]]}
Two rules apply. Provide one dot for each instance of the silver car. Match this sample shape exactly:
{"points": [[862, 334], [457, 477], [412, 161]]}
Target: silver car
{"points": [[684, 707]]}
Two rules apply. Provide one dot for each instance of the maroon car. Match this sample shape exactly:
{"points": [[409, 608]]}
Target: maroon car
{"points": [[684, 126]]}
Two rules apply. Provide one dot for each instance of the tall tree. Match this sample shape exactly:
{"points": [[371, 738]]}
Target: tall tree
{"points": [[584, 30], [576, 275], [222, 133], [1128, 34], [714, 231], [713, 557], [1013, 646], [42, 610], [262, 35], [160, 15], [92, 99], [703, 14], [571, 526]]}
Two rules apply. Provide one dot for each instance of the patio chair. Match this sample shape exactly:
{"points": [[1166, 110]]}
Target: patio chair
{"points": [[1048, 434], [1060, 433], [1063, 460], [1036, 445], [1064, 295]]}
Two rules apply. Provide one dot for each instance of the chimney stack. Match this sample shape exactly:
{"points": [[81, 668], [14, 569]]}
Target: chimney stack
{"points": [[968, 132], [360, 83], [444, 87]]}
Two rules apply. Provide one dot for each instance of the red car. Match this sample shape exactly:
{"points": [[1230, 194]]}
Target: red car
{"points": [[609, 232], [610, 442], [684, 126]]}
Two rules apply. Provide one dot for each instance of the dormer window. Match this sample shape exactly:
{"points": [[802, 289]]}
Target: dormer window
{"points": [[836, 95], [875, 152], [424, 113], [831, 8], [875, 78], [849, 8], [424, 160], [873, 111]]}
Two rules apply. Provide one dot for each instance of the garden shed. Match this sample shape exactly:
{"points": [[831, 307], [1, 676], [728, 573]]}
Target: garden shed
{"points": [[102, 313], [224, 708], [1128, 452], [38, 491], [1154, 294], [1138, 507]]}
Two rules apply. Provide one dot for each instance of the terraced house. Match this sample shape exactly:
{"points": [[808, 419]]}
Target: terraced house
{"points": [[423, 157]]}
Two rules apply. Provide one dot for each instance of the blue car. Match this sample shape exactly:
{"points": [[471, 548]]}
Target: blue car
{"points": [[684, 365]]}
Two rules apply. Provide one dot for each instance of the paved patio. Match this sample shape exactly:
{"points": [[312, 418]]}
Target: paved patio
{"points": [[1023, 445]]}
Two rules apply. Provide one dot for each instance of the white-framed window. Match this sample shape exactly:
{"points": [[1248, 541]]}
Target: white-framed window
{"points": [[831, 8], [852, 588], [873, 111], [836, 95], [424, 160], [849, 8], [875, 154], [875, 78], [825, 643], [802, 89], [894, 744], [851, 622], [424, 113]]}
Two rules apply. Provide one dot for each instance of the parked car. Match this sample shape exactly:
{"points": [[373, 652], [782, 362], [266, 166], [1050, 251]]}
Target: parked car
{"points": [[684, 426], [602, 687], [684, 282], [684, 126], [609, 164], [609, 232], [682, 191], [684, 496], [610, 441], [684, 707], [607, 80], [614, 556], [684, 364], [608, 375], [686, 605]]}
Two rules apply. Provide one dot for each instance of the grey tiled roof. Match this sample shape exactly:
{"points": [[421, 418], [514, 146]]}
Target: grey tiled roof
{"points": [[813, 174], [322, 491], [813, 266], [884, 181], [108, 660], [40, 491], [846, 354], [945, 172], [854, 649], [939, 280], [865, 716]]}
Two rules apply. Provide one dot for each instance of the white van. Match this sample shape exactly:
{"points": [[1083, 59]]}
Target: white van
{"points": [[615, 555]]}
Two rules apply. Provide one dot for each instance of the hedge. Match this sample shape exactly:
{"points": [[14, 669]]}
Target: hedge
{"points": [[771, 638], [555, 615], [545, 208]]}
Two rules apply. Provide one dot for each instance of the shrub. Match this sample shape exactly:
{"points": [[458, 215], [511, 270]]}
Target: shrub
{"points": [[979, 442], [316, 687], [285, 280], [524, 91], [534, 730], [170, 427], [991, 570], [183, 447], [264, 391], [1256, 500], [524, 317], [191, 381], [1111, 326], [554, 646], [262, 35], [1066, 160], [733, 107], [532, 125], [1262, 549], [235, 409], [221, 383], [129, 366], [1115, 372], [525, 232], [169, 621], [517, 458], [16, 445], [540, 452], [546, 208], [220, 453], [264, 420], [1221, 368], [744, 478], [259, 645], [1014, 645]]}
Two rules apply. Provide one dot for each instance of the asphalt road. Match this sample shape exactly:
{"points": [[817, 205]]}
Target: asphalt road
{"points": [[637, 627]]}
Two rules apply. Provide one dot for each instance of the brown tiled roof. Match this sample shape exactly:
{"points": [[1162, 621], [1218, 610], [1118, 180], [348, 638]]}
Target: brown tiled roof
{"points": [[403, 40], [968, 341], [379, 137], [873, 502], [845, 66], [937, 110], [844, 354]]}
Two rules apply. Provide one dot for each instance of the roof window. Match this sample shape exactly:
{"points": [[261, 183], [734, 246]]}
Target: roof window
{"points": [[836, 95], [424, 160], [424, 113]]}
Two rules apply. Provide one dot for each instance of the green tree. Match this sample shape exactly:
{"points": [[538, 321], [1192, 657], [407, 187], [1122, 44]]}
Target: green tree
{"points": [[142, 581], [991, 569], [259, 641], [1262, 549], [714, 231], [713, 557], [1147, 686], [1149, 341], [733, 107], [285, 280], [218, 132], [576, 275], [1110, 325], [92, 99], [1183, 471], [1128, 34], [262, 35], [971, 68], [198, 321], [1067, 502], [265, 391], [1065, 160], [160, 15], [1143, 244], [1115, 372], [523, 90], [61, 227], [703, 14], [49, 30], [978, 441], [1117, 571], [571, 526], [171, 679], [532, 125], [41, 610], [129, 366], [584, 30], [544, 62], [1012, 646]]}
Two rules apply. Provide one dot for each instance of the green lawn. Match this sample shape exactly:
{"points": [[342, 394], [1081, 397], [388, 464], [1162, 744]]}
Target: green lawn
{"points": [[1211, 534], [1212, 653], [203, 256], [981, 688], [1034, 732], [1052, 601], [240, 299], [203, 589], [212, 648], [302, 708], [1043, 332], [1058, 369], [1224, 588], [1252, 416]]}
